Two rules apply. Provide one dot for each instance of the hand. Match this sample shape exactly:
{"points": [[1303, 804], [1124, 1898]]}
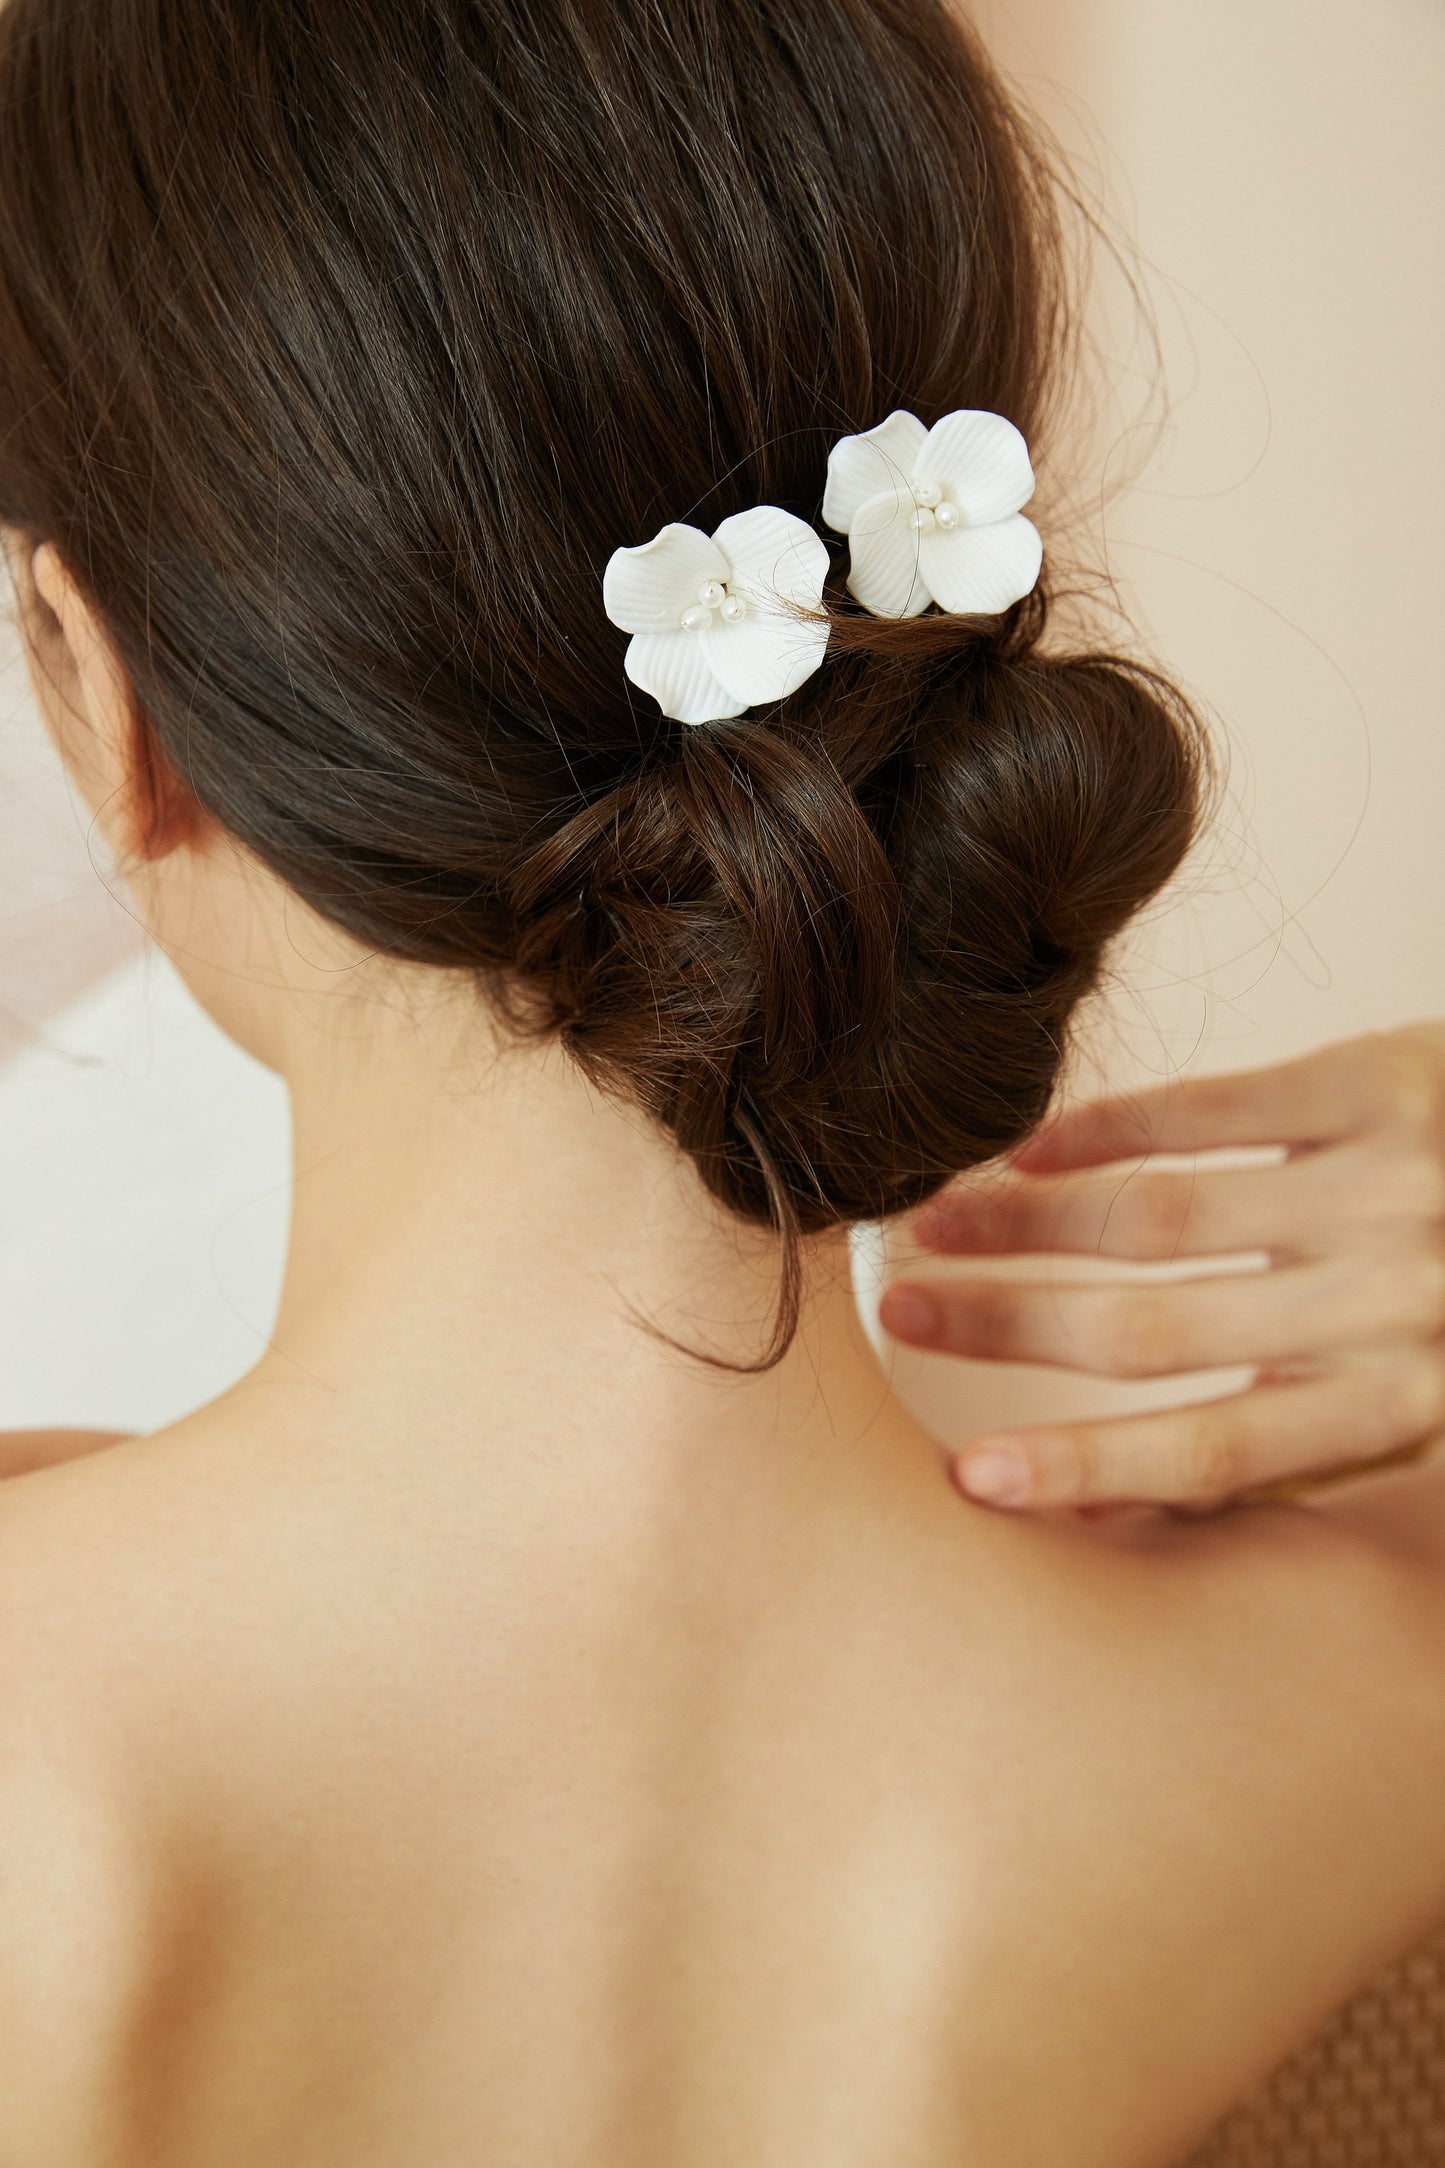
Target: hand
{"points": [[1345, 1330]]}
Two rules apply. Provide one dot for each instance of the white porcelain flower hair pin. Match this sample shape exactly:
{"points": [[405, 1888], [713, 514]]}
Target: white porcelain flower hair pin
{"points": [[712, 633], [932, 515]]}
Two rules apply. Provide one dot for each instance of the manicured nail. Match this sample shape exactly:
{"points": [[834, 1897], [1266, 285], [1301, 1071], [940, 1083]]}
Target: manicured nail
{"points": [[995, 1474], [910, 1313]]}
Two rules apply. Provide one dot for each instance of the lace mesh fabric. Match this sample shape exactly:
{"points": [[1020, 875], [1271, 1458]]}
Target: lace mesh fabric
{"points": [[1369, 2092]]}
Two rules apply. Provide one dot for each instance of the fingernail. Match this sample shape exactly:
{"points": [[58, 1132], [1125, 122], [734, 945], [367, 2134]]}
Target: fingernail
{"points": [[910, 1313], [996, 1475]]}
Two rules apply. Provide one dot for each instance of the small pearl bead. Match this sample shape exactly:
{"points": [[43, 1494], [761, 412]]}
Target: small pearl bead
{"points": [[928, 494], [694, 619], [923, 520], [711, 592], [948, 517], [733, 610]]}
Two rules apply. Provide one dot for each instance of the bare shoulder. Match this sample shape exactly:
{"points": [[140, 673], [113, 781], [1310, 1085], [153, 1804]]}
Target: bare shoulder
{"points": [[1234, 1823], [82, 1662]]}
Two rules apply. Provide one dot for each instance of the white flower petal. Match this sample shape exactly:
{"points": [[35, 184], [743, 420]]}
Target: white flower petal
{"points": [[981, 570], [771, 553], [885, 572], [981, 461], [647, 589], [859, 467], [673, 668], [774, 560], [764, 657]]}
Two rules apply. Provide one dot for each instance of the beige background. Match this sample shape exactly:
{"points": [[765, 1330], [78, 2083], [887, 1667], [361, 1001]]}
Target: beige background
{"points": [[1282, 168]]}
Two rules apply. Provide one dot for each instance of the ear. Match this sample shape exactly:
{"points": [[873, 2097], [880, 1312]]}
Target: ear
{"points": [[90, 709]]}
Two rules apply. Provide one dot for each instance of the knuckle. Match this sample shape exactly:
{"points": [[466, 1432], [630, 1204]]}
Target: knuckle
{"points": [[1217, 1459], [1148, 1219], [993, 1326], [1139, 1334], [1216, 1099], [1409, 1185], [1089, 1481], [1411, 1400], [1413, 1083]]}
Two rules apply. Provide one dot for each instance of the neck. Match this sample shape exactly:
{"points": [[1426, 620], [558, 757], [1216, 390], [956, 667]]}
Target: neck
{"points": [[478, 1233]]}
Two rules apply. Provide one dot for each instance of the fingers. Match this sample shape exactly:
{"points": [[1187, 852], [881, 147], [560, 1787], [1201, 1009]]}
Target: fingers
{"points": [[1297, 1206], [1377, 1404], [1395, 1079], [1294, 1314]]}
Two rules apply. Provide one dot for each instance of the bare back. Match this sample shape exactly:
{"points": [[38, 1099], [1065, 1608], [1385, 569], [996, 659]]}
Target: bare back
{"points": [[363, 1819]]}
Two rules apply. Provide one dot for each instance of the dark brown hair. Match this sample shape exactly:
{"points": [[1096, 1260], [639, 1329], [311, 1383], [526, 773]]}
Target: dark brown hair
{"points": [[342, 341]]}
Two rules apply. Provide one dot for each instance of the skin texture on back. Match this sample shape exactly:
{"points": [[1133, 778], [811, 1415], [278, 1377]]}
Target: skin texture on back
{"points": [[359, 1812]]}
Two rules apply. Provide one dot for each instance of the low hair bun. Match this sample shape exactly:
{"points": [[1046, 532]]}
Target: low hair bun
{"points": [[717, 938], [836, 950]]}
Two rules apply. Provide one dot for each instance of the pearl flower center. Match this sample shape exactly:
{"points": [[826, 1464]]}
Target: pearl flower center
{"points": [[932, 511], [715, 598]]}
